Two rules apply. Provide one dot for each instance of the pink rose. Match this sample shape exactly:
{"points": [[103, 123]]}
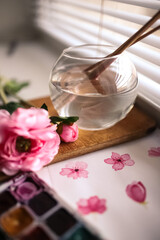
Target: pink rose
{"points": [[136, 191], [28, 140], [69, 133], [4, 118]]}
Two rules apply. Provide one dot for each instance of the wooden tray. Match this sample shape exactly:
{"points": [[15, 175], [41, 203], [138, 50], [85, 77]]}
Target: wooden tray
{"points": [[135, 125]]}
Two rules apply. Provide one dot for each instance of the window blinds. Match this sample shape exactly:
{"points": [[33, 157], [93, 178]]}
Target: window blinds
{"points": [[75, 22]]}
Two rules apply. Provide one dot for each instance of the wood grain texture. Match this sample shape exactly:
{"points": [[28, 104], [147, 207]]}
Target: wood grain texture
{"points": [[137, 124]]}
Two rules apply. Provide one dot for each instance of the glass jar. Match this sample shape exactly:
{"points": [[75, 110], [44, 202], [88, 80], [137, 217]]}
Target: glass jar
{"points": [[101, 102]]}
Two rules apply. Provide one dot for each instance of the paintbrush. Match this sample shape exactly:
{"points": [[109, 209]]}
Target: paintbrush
{"points": [[96, 69]]}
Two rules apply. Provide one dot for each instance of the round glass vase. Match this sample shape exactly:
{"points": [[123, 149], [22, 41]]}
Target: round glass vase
{"points": [[101, 102]]}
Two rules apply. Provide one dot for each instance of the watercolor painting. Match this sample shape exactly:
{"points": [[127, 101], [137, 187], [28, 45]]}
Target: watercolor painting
{"points": [[119, 161], [75, 170], [154, 152], [92, 205], [136, 191]]}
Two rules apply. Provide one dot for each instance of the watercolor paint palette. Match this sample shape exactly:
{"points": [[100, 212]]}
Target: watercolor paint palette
{"points": [[31, 210]]}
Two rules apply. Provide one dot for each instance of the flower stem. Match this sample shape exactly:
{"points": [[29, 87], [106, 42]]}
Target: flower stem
{"points": [[24, 102], [2, 94], [4, 97]]}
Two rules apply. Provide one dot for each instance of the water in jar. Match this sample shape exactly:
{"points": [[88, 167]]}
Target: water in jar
{"points": [[99, 103]]}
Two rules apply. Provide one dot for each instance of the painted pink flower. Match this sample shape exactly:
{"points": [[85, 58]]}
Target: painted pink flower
{"points": [[69, 132], [93, 204], [28, 140], [119, 161], [155, 152], [75, 170], [136, 191]]}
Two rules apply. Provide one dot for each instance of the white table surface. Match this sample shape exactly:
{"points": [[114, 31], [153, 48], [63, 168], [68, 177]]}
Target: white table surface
{"points": [[124, 219]]}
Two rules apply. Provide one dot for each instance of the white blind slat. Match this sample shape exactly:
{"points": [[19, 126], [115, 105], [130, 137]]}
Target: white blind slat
{"points": [[154, 4], [132, 17], [127, 31], [143, 3]]}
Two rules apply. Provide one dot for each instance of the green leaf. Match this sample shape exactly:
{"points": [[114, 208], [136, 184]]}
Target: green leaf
{"points": [[11, 106], [44, 106], [12, 86], [65, 120]]}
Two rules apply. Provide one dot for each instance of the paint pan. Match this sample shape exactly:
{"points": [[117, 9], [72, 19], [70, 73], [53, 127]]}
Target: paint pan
{"points": [[31, 210]]}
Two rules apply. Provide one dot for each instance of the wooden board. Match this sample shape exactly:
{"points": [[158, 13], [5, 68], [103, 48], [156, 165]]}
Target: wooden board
{"points": [[135, 125]]}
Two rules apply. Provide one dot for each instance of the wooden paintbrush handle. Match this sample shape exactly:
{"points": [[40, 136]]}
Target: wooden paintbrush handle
{"points": [[147, 34], [96, 69], [135, 36]]}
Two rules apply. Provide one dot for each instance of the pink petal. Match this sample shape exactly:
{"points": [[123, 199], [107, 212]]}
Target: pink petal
{"points": [[102, 206], [44, 134], [4, 114], [125, 157], [71, 165], [83, 173], [8, 171], [65, 171], [31, 118], [96, 204], [136, 191], [83, 202], [109, 161], [93, 202], [129, 162], [83, 207], [115, 156], [73, 175], [70, 173], [154, 152], [118, 166], [32, 163], [81, 165]]}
